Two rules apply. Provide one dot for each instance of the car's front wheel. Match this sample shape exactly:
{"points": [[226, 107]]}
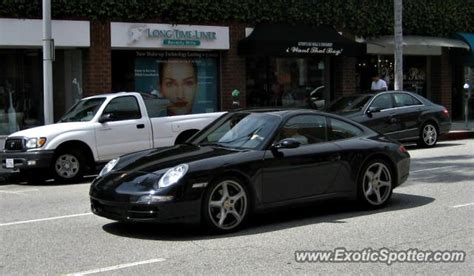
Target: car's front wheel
{"points": [[428, 135], [226, 205], [68, 166], [375, 184]]}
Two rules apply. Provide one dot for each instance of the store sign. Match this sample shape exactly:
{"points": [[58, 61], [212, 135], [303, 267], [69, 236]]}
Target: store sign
{"points": [[159, 36], [325, 48]]}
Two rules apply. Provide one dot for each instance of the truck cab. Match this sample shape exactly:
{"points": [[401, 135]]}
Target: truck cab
{"points": [[94, 131]]}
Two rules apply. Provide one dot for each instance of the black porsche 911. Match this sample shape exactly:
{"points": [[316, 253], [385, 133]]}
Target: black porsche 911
{"points": [[401, 115], [248, 161]]}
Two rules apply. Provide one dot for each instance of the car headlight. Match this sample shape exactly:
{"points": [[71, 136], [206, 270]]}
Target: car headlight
{"points": [[33, 143], [108, 167], [173, 175]]}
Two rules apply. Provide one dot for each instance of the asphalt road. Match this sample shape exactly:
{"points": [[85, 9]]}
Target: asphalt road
{"points": [[48, 228]]}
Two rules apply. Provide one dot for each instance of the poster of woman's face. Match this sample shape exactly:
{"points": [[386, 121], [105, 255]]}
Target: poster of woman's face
{"points": [[178, 84], [181, 85]]}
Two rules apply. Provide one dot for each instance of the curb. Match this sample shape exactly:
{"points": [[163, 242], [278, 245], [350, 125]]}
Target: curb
{"points": [[458, 135]]}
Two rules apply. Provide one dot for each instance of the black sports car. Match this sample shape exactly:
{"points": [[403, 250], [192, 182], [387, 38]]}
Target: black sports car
{"points": [[400, 115], [247, 161]]}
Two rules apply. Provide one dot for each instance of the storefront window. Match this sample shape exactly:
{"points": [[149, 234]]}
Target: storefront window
{"points": [[21, 89], [21, 86], [177, 82], [287, 82], [414, 72]]}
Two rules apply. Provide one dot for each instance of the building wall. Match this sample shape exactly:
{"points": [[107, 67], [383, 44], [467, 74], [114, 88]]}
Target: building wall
{"points": [[98, 61], [344, 76], [441, 80], [233, 71]]}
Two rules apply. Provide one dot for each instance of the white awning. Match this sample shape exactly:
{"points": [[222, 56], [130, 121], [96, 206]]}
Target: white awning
{"points": [[19, 33], [414, 45]]}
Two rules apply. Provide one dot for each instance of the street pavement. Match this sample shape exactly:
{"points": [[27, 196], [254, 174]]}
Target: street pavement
{"points": [[48, 229]]}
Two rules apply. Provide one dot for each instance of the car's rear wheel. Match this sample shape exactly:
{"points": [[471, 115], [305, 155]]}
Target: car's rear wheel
{"points": [[226, 205], [68, 166], [375, 184], [428, 135]]}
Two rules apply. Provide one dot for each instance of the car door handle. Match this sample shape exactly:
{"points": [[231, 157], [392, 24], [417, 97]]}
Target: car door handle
{"points": [[393, 120], [141, 126]]}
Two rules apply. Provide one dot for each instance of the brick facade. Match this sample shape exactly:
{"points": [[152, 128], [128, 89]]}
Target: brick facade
{"points": [[98, 61], [233, 71], [441, 80], [344, 76]]}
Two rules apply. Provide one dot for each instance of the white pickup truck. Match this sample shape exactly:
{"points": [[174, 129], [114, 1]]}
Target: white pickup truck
{"points": [[95, 130]]}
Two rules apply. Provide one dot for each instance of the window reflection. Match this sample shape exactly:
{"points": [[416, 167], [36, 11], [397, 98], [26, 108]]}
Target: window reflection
{"points": [[287, 82]]}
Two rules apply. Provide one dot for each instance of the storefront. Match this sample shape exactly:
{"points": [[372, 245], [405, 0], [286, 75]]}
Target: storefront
{"points": [[177, 64], [21, 70], [431, 67], [467, 65], [293, 66]]}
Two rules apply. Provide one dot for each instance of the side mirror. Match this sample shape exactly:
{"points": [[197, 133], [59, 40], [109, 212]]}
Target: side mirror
{"points": [[287, 144], [107, 117], [373, 109]]}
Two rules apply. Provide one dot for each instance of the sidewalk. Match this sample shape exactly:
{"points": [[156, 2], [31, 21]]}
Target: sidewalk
{"points": [[459, 131]]}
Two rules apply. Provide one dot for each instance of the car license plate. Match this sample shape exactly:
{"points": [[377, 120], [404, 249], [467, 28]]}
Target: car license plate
{"points": [[10, 163]]}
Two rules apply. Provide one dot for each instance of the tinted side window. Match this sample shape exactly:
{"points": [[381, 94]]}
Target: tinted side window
{"points": [[306, 129], [382, 101], [338, 130], [402, 99], [124, 108]]}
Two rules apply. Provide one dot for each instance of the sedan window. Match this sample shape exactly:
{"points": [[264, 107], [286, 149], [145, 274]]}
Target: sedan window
{"points": [[402, 99], [306, 129], [338, 130], [383, 101]]}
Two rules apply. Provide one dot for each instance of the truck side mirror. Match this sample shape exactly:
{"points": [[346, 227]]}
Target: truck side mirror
{"points": [[107, 117]]}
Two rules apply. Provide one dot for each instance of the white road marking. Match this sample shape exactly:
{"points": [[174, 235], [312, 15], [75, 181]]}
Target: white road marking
{"points": [[17, 191], [43, 219], [115, 267], [432, 169], [462, 205]]}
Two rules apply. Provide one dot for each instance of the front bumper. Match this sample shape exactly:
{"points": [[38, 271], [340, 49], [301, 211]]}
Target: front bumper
{"points": [[165, 212], [27, 159]]}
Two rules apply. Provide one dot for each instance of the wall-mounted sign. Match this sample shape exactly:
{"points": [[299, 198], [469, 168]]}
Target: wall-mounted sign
{"points": [[28, 33], [325, 48], [166, 36]]}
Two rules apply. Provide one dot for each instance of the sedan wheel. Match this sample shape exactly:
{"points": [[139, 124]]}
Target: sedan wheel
{"points": [[375, 187], [429, 136], [226, 205]]}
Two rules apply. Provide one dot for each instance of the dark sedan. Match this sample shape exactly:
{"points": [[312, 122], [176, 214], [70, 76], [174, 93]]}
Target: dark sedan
{"points": [[248, 161], [400, 115]]}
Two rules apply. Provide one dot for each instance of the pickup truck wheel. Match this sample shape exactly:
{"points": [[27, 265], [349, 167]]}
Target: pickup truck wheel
{"points": [[69, 166]]}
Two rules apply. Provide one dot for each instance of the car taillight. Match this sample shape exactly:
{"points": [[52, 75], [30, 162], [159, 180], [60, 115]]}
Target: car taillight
{"points": [[446, 113], [402, 149]]}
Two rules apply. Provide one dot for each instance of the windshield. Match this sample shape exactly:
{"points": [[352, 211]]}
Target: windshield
{"points": [[240, 131], [83, 110], [349, 103]]}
